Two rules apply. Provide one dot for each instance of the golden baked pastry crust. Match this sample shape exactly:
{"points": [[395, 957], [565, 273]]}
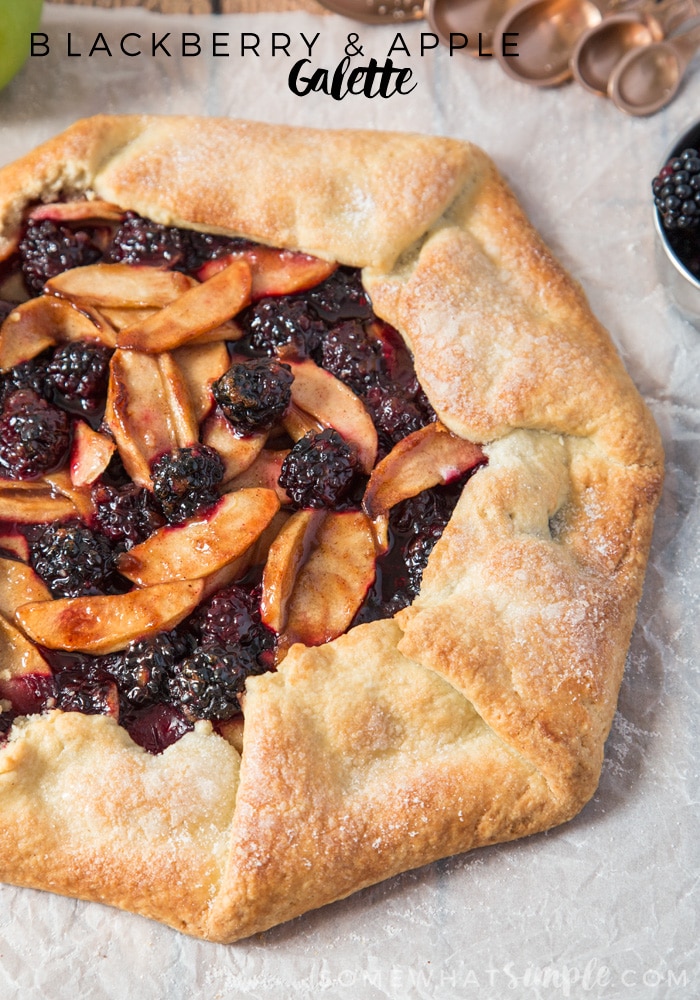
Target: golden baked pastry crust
{"points": [[479, 714]]}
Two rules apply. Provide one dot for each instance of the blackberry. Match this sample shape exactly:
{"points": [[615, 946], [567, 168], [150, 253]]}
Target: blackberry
{"points": [[341, 296], [206, 684], [186, 480], [351, 355], [154, 727], [48, 249], [254, 394], [282, 322], [677, 191], [231, 619], [319, 470], [6, 720], [79, 371], [394, 415], [203, 247], [26, 375], [417, 552], [126, 515], [90, 691], [71, 559], [140, 241], [142, 669], [34, 436]]}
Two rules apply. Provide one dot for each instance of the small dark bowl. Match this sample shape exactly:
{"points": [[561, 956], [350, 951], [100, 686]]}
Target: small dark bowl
{"points": [[680, 261]]}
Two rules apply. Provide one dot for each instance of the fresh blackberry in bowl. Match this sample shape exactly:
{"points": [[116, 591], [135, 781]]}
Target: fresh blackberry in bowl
{"points": [[34, 436], [186, 480], [126, 515], [319, 470], [140, 241], [340, 297], [231, 619], [254, 394], [349, 353], [206, 684], [79, 371], [142, 669], [282, 322], [71, 559], [677, 191], [48, 249]]}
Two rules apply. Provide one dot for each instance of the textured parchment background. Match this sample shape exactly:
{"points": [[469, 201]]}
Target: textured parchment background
{"points": [[606, 906]]}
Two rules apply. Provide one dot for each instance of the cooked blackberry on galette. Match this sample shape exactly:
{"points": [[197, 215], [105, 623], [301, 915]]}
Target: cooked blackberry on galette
{"points": [[325, 505]]}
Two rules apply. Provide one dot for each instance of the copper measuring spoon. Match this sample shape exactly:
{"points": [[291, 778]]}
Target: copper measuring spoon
{"points": [[377, 11], [647, 79], [546, 32], [601, 48], [477, 19]]}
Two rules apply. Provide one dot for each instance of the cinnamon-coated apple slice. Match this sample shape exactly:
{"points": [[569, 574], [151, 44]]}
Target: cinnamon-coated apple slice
{"points": [[181, 413], [90, 454], [200, 366], [44, 322], [286, 555], [16, 543], [237, 453], [18, 658], [297, 422], [77, 211], [275, 272], [135, 286], [428, 457], [105, 624], [264, 472], [331, 402], [204, 543], [61, 484], [254, 555], [333, 581], [19, 584], [194, 314], [34, 506], [144, 414]]}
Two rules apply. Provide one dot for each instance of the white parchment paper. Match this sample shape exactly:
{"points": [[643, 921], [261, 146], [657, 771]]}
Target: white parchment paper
{"points": [[604, 907]]}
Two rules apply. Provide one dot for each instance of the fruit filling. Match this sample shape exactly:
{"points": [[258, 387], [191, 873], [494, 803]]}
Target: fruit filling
{"points": [[209, 450]]}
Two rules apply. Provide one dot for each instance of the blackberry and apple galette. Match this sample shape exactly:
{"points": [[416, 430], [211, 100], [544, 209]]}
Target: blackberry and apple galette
{"points": [[325, 505]]}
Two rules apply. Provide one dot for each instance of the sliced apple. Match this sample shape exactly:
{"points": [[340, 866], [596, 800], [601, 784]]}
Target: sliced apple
{"points": [[287, 553], [43, 322], [297, 422], [19, 585], [18, 657], [90, 454], [139, 412], [181, 411], [237, 453], [201, 365], [33, 506], [275, 272], [428, 457], [77, 211], [123, 317], [61, 485], [254, 555], [194, 314], [334, 404], [16, 543], [105, 624], [264, 472], [203, 544], [120, 286], [333, 581]]}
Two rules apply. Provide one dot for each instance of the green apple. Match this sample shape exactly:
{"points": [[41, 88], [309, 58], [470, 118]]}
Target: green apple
{"points": [[18, 18]]}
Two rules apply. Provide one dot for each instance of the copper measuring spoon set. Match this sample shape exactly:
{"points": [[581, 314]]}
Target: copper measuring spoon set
{"points": [[633, 51]]}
